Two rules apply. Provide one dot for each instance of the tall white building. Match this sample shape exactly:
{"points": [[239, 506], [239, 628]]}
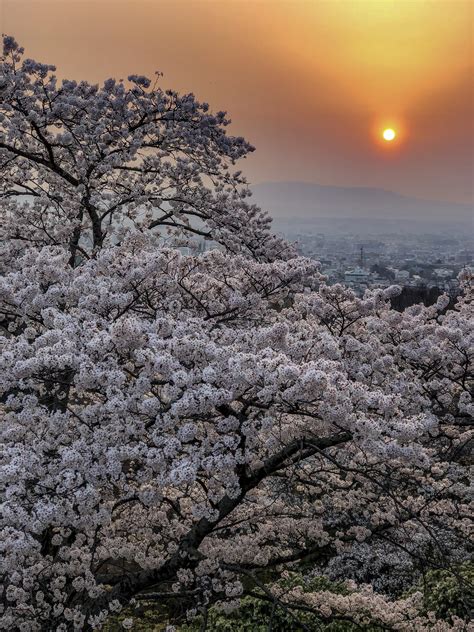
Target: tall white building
{"points": [[357, 276]]}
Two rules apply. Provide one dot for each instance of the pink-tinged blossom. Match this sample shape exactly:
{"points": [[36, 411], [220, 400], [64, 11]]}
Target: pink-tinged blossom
{"points": [[179, 421]]}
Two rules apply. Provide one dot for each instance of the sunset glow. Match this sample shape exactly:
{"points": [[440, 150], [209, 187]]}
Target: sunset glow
{"points": [[312, 85]]}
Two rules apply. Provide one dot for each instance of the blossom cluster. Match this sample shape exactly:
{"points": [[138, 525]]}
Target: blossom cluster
{"points": [[176, 422]]}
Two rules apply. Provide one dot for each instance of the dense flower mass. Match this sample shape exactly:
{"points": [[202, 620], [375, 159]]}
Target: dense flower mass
{"points": [[180, 422]]}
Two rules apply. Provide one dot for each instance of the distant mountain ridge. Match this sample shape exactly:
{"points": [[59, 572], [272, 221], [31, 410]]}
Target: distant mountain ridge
{"points": [[306, 200]]}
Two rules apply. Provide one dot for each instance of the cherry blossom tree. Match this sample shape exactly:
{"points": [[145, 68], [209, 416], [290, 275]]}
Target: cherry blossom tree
{"points": [[188, 424]]}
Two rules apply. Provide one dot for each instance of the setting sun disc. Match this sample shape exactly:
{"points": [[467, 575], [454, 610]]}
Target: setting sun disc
{"points": [[389, 134]]}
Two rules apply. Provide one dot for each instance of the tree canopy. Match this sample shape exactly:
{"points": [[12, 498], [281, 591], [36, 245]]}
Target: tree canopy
{"points": [[193, 424]]}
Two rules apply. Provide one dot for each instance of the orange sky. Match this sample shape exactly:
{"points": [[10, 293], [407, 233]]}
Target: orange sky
{"points": [[310, 83]]}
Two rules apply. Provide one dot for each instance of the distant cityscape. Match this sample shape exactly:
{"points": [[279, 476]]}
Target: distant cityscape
{"points": [[407, 260], [422, 262], [368, 237]]}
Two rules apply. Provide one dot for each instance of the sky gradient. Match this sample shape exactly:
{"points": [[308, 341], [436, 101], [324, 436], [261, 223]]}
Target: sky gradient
{"points": [[311, 84]]}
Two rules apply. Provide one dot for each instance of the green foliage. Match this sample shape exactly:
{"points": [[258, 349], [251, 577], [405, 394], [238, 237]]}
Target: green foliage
{"points": [[449, 593], [254, 614], [148, 618]]}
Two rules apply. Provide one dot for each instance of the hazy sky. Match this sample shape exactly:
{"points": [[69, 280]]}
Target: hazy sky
{"points": [[310, 83]]}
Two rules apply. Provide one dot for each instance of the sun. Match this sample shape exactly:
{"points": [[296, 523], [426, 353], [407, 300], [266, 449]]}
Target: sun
{"points": [[389, 134]]}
